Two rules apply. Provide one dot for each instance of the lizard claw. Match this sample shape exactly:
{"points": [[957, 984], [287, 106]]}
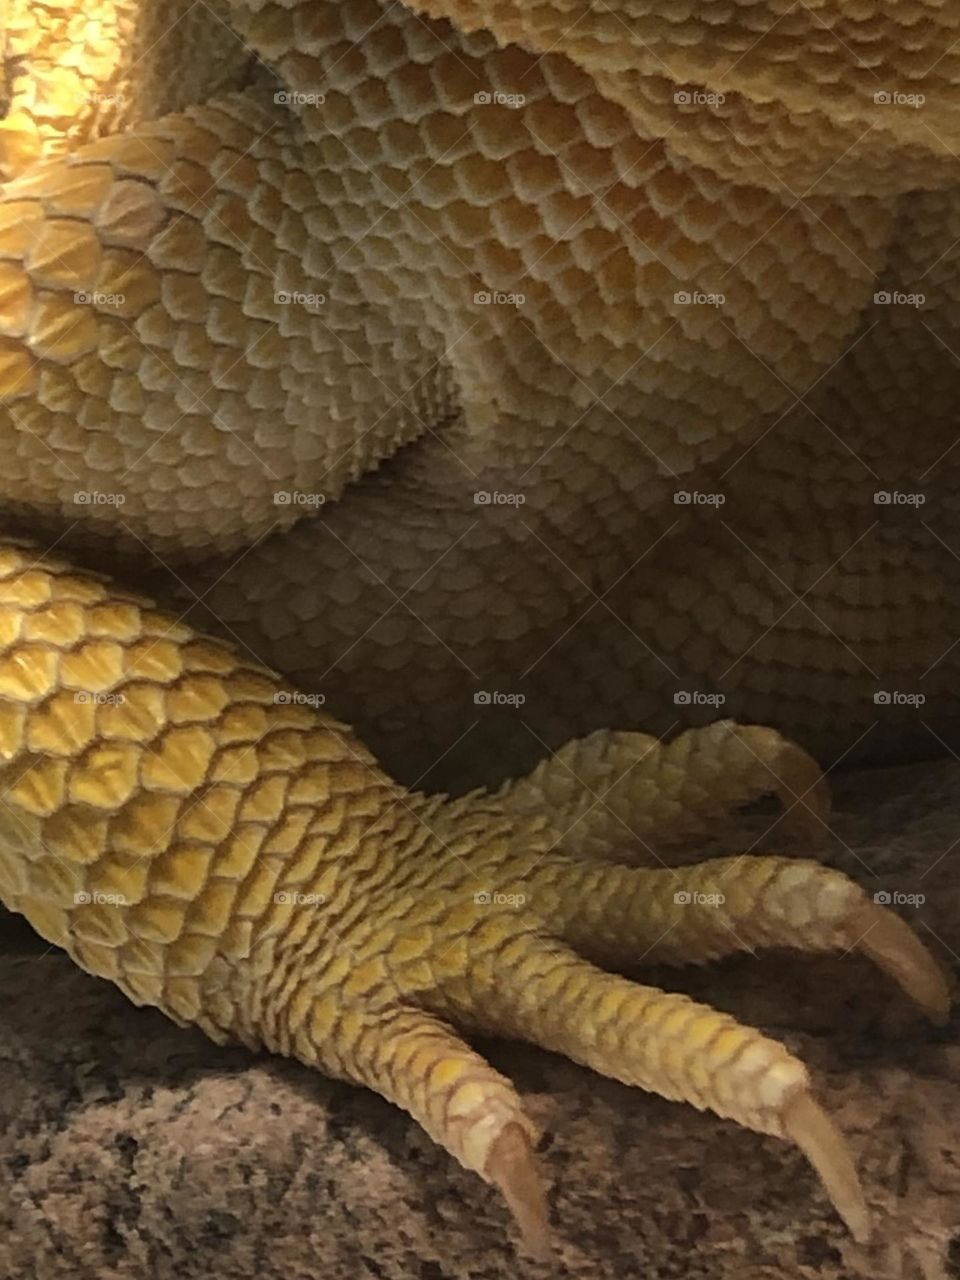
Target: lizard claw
{"points": [[893, 947], [511, 1166], [817, 1137]]}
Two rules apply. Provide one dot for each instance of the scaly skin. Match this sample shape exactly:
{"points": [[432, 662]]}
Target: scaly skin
{"points": [[172, 814], [188, 830], [398, 198]]}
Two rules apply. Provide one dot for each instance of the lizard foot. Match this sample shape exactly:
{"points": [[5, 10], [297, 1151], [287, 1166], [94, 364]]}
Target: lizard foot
{"points": [[531, 969], [185, 826]]}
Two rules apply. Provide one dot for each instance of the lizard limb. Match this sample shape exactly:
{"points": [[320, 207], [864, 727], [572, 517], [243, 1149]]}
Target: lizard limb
{"points": [[185, 827]]}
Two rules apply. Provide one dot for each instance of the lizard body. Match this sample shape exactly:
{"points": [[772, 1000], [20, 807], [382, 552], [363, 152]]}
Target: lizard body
{"points": [[439, 356]]}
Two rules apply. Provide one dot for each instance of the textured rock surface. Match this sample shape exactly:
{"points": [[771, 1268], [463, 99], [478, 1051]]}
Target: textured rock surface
{"points": [[133, 1148]]}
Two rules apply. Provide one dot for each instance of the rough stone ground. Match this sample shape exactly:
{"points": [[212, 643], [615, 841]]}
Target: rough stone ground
{"points": [[131, 1148]]}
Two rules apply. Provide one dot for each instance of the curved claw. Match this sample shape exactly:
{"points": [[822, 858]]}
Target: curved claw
{"points": [[821, 1142], [803, 790], [893, 946], [512, 1167]]}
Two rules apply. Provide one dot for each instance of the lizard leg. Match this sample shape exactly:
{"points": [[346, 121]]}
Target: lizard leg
{"points": [[184, 826], [610, 791], [64, 82], [149, 287]]}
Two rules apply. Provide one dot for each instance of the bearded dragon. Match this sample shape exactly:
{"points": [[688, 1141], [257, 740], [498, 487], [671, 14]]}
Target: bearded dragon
{"points": [[488, 375]]}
